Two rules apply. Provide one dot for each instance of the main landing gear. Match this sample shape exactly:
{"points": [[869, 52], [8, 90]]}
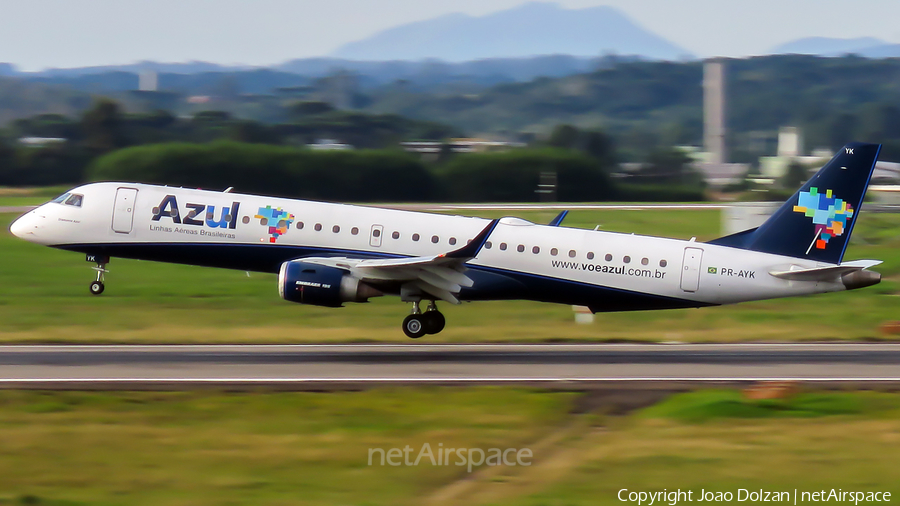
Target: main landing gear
{"points": [[417, 324], [97, 286]]}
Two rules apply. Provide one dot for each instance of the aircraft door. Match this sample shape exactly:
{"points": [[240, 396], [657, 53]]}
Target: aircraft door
{"points": [[375, 236], [690, 272], [123, 212]]}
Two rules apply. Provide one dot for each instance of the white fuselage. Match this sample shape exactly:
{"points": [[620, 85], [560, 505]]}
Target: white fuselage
{"points": [[136, 221]]}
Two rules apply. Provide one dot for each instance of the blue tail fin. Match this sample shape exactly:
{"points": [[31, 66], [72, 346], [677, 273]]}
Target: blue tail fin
{"points": [[816, 223]]}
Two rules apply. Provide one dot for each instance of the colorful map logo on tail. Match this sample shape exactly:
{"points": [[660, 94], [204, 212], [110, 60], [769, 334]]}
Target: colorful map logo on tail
{"points": [[277, 220], [828, 213]]}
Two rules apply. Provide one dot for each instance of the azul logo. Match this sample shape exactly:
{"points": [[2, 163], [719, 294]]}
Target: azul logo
{"points": [[828, 213], [197, 214], [277, 220]]}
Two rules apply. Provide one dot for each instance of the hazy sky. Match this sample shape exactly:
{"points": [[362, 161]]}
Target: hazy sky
{"points": [[36, 34]]}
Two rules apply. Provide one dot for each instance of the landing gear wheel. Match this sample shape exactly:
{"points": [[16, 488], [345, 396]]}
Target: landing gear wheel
{"points": [[434, 321], [97, 287], [414, 326]]}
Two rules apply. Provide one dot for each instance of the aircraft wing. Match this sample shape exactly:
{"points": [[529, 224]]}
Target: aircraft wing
{"points": [[441, 276]]}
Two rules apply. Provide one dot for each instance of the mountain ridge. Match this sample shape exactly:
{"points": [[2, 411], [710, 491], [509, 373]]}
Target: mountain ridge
{"points": [[531, 29], [867, 47]]}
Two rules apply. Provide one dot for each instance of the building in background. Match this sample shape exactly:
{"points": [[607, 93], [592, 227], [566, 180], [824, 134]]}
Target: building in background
{"points": [[712, 162], [148, 80], [714, 111], [790, 150]]}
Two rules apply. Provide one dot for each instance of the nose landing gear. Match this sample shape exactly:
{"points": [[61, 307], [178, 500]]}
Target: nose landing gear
{"points": [[417, 324], [97, 286]]}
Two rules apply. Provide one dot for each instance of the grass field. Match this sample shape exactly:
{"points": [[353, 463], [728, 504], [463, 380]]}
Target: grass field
{"points": [[263, 448], [45, 299], [29, 196]]}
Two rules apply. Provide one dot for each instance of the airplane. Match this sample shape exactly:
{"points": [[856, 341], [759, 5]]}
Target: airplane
{"points": [[329, 254]]}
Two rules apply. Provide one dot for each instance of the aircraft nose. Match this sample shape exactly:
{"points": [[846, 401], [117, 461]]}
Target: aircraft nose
{"points": [[25, 226]]}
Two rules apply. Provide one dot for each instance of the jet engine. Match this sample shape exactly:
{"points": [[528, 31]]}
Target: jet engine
{"points": [[320, 285]]}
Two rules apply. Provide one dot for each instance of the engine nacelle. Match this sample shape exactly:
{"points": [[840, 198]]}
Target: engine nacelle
{"points": [[319, 285]]}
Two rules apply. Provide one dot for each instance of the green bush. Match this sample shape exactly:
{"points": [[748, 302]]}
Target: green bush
{"points": [[272, 170], [513, 176], [373, 175]]}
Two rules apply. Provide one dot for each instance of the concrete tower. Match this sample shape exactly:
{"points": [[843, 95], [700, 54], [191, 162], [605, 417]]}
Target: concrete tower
{"points": [[714, 111]]}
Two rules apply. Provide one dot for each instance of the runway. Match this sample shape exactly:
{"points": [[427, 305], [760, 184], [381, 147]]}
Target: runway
{"points": [[316, 365]]}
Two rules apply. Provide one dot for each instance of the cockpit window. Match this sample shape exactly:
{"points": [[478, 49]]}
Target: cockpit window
{"points": [[74, 200], [69, 199]]}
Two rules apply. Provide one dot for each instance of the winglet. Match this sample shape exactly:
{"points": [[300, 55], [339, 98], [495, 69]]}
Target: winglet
{"points": [[555, 222], [471, 250]]}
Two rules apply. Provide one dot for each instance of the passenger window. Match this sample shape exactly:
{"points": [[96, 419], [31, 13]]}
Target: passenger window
{"points": [[663, 263], [627, 259], [299, 224], [554, 251], [452, 241], [395, 235], [520, 248], [375, 233], [535, 250], [571, 253], [502, 246], [644, 261], [590, 255], [354, 230], [336, 229], [245, 220], [435, 239], [488, 245], [608, 257], [318, 227], [415, 237]]}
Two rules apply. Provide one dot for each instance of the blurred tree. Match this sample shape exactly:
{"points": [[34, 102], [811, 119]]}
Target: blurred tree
{"points": [[795, 176], [600, 146], [158, 119], [47, 125], [880, 122], [564, 136], [305, 109], [513, 176], [212, 117], [669, 166], [594, 143], [102, 126], [253, 132], [445, 153], [7, 157], [841, 130]]}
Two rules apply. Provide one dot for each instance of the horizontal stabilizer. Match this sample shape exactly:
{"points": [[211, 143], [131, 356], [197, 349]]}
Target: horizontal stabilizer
{"points": [[829, 273]]}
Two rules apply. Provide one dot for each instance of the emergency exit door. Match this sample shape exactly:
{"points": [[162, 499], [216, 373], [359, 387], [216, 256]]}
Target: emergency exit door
{"points": [[123, 212], [690, 270], [375, 236]]}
